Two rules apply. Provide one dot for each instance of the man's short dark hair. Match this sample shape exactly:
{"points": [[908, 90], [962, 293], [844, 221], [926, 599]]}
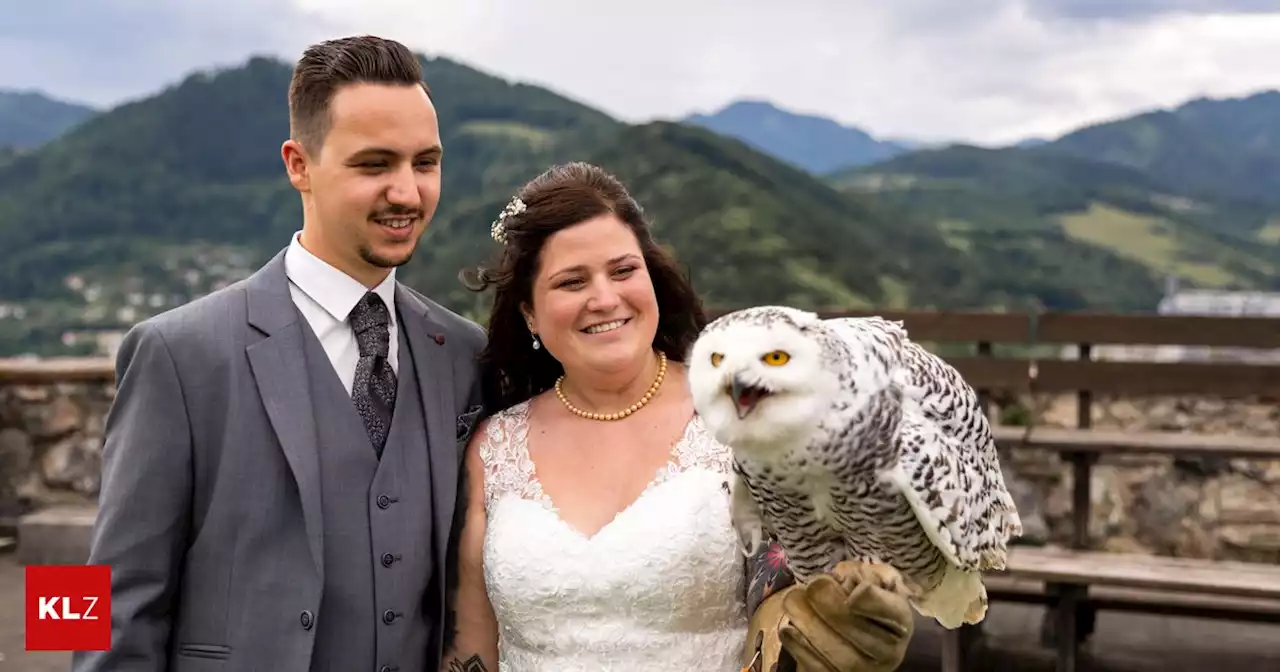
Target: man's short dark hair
{"points": [[328, 66]]}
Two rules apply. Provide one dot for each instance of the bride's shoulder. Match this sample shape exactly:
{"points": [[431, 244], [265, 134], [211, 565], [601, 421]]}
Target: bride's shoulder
{"points": [[497, 431], [703, 449], [511, 413]]}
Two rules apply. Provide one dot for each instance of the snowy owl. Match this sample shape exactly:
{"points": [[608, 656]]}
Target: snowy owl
{"points": [[850, 442]]}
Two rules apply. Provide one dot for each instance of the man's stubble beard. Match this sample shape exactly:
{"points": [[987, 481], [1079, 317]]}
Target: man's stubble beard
{"points": [[366, 253]]}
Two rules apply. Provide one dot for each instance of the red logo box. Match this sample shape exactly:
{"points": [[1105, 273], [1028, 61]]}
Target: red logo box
{"points": [[68, 607]]}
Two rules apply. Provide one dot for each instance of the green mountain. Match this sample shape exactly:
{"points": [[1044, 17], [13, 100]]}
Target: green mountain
{"points": [[158, 201], [1099, 216], [1120, 226], [153, 203], [1206, 147], [29, 119]]}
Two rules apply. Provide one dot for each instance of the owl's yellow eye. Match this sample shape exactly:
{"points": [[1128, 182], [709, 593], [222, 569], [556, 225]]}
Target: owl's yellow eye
{"points": [[716, 358], [776, 358]]}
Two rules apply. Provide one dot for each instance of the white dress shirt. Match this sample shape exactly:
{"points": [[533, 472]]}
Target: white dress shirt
{"points": [[325, 296]]}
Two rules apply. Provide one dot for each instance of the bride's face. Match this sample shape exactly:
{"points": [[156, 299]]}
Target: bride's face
{"points": [[594, 307]]}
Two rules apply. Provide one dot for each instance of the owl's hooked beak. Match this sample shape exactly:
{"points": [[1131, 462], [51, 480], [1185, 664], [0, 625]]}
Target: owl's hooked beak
{"points": [[745, 396]]}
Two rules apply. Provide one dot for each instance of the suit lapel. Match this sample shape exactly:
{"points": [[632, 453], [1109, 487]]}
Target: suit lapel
{"points": [[433, 367], [280, 371]]}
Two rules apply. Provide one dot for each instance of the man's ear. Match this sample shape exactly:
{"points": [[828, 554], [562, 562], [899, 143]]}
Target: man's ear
{"points": [[297, 163]]}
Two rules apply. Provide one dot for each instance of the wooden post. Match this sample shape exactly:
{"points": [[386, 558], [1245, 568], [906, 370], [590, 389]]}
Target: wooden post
{"points": [[984, 395], [1071, 599], [1082, 464]]}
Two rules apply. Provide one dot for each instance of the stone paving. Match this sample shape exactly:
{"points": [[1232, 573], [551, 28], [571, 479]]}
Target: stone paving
{"points": [[12, 628], [1121, 643]]}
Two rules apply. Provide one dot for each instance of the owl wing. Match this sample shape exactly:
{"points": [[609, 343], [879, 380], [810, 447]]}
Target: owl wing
{"points": [[942, 397], [929, 385], [955, 496], [948, 467]]}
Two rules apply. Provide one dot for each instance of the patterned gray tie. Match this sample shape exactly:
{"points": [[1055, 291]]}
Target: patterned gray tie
{"points": [[374, 388]]}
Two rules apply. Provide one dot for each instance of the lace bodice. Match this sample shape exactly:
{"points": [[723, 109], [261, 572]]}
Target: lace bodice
{"points": [[660, 587]]}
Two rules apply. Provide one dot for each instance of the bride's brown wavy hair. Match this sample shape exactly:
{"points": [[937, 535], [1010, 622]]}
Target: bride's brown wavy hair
{"points": [[562, 196]]}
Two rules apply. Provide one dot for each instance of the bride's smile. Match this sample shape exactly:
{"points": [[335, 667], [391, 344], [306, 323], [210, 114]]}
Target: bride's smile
{"points": [[593, 305]]}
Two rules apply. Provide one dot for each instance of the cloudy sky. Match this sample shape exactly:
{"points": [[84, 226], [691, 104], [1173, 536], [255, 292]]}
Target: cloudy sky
{"points": [[981, 70]]}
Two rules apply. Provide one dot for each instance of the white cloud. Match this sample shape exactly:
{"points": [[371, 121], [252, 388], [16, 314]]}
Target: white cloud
{"points": [[983, 70], [1130, 10], [104, 51]]}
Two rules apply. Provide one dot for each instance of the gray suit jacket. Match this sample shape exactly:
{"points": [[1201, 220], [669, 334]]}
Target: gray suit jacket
{"points": [[209, 513]]}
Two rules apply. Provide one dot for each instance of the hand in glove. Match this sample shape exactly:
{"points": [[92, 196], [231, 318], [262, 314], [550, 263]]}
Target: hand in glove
{"points": [[855, 619]]}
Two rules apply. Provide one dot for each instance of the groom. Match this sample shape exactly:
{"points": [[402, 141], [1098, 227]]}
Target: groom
{"points": [[282, 458]]}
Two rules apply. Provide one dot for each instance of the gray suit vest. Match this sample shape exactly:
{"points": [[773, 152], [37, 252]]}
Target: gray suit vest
{"points": [[377, 527]]}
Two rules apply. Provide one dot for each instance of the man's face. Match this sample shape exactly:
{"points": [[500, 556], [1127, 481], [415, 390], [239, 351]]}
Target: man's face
{"points": [[376, 182]]}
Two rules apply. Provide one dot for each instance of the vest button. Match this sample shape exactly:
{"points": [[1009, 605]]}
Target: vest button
{"points": [[388, 616], [383, 501], [388, 559], [305, 619]]}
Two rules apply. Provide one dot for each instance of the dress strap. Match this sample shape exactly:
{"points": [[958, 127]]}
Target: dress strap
{"points": [[507, 468], [699, 449]]}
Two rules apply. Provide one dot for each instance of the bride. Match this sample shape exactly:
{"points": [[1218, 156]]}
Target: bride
{"points": [[597, 532]]}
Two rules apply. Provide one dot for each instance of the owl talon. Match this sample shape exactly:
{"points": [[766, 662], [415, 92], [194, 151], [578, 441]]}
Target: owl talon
{"points": [[752, 540], [856, 572]]}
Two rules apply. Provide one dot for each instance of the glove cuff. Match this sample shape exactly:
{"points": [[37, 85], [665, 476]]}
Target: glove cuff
{"points": [[763, 647]]}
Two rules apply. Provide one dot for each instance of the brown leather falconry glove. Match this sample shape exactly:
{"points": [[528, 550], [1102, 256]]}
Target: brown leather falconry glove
{"points": [[856, 619]]}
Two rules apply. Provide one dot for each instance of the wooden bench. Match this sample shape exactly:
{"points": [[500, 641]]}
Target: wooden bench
{"points": [[1066, 580], [1075, 582], [1251, 583], [1015, 586]]}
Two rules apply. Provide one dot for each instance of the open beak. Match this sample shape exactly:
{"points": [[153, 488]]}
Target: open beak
{"points": [[745, 397]]}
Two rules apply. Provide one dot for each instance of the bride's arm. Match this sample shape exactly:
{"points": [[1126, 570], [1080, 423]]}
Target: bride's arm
{"points": [[767, 575], [473, 644]]}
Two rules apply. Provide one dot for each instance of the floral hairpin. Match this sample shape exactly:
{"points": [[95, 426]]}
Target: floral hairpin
{"points": [[498, 230]]}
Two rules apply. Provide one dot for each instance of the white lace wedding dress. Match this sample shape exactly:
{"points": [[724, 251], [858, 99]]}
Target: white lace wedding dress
{"points": [[661, 587]]}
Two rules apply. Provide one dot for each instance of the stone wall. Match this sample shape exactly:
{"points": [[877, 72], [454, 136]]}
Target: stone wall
{"points": [[51, 422], [1202, 508], [52, 413]]}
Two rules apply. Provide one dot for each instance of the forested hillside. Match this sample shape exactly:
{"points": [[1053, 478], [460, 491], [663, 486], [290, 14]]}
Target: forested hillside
{"points": [[1118, 229], [1207, 148], [162, 200], [148, 205]]}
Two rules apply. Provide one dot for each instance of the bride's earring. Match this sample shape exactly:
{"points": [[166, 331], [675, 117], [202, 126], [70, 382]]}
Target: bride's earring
{"points": [[536, 344]]}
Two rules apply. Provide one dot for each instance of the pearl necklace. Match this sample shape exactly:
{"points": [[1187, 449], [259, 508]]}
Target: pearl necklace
{"points": [[648, 396]]}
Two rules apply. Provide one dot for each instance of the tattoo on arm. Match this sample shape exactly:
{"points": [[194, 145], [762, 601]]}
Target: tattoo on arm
{"points": [[472, 664], [767, 573], [451, 563]]}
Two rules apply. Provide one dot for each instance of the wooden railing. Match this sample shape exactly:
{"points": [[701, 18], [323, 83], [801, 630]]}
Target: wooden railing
{"points": [[985, 371], [56, 370]]}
